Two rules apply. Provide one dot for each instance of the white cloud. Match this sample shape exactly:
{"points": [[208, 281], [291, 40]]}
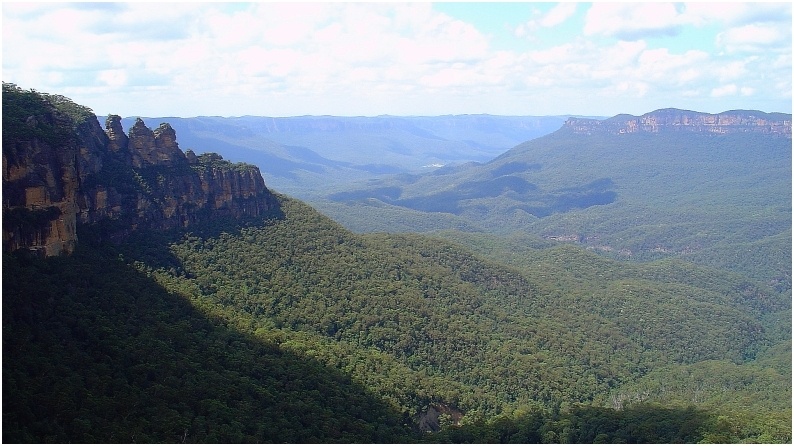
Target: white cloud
{"points": [[634, 88], [747, 91], [663, 67], [736, 13], [556, 55], [338, 58], [113, 78], [620, 67], [632, 21], [731, 71], [725, 90], [757, 37], [558, 15]]}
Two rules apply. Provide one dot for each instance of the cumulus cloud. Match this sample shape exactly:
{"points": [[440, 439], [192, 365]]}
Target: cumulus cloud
{"points": [[755, 23], [724, 90], [113, 78], [623, 68], [373, 58], [633, 21], [747, 91], [736, 13], [558, 15], [312, 43], [754, 38]]}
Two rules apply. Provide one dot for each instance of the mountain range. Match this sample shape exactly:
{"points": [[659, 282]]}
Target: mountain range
{"points": [[709, 188], [623, 186], [305, 154], [152, 294]]}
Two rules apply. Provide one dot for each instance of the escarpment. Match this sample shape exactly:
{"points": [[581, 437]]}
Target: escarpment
{"points": [[61, 169], [675, 120]]}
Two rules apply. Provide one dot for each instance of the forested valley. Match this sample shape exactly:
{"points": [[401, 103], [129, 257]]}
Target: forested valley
{"points": [[720, 200], [289, 328], [191, 304]]}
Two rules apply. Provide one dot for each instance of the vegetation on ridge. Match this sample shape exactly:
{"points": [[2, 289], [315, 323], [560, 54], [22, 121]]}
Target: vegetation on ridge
{"points": [[717, 200]]}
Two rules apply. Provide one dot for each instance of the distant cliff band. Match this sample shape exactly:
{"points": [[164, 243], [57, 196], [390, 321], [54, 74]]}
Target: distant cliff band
{"points": [[735, 121]]}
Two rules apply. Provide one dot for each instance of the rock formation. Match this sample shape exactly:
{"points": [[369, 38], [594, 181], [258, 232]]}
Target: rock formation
{"points": [[674, 120], [61, 170]]}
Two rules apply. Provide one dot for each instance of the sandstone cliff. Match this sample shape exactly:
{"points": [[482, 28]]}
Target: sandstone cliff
{"points": [[674, 120], [61, 170]]}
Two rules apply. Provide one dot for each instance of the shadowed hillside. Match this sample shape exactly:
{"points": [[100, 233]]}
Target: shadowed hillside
{"points": [[95, 351]]}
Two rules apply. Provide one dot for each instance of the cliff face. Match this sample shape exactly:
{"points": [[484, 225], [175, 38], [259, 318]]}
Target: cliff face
{"points": [[61, 170], [674, 120]]}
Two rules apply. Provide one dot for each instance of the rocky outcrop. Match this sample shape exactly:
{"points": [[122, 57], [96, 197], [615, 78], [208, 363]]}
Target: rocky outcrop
{"points": [[39, 209], [154, 148], [61, 170], [674, 120], [118, 140], [40, 178], [438, 415]]}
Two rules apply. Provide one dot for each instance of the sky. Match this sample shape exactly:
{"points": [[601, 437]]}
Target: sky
{"points": [[417, 58]]}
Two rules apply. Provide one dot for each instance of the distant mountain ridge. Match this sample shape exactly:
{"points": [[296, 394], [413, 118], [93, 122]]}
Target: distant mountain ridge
{"points": [[419, 125], [672, 119], [667, 183], [302, 155]]}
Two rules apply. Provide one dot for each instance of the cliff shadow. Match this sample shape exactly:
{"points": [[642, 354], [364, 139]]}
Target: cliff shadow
{"points": [[96, 351], [152, 247]]}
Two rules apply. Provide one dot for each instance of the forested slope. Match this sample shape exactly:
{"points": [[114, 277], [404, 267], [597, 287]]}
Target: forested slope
{"points": [[95, 351], [722, 200], [295, 317]]}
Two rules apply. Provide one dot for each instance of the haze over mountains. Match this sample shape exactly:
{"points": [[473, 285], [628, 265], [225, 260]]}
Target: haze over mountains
{"points": [[585, 180], [306, 155], [670, 182]]}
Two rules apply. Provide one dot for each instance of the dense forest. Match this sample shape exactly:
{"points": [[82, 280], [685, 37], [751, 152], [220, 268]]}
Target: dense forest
{"points": [[718, 200], [292, 329]]}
